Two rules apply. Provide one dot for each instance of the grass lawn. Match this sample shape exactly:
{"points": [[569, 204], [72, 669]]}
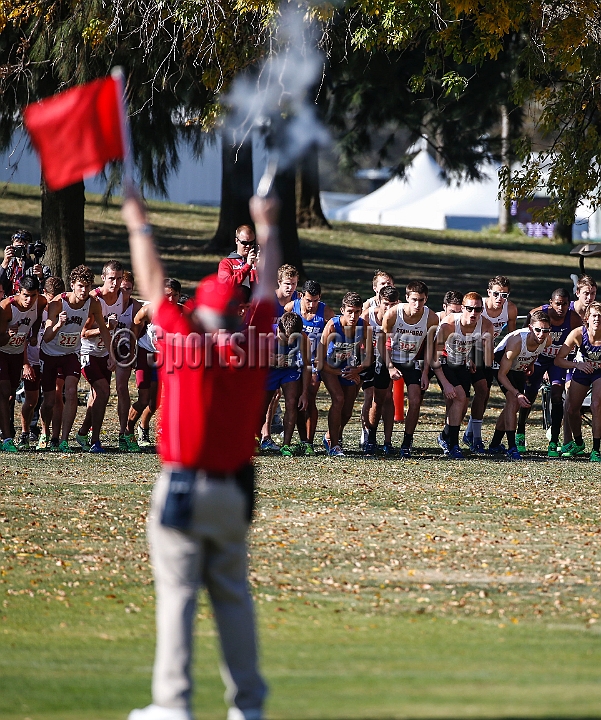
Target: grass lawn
{"points": [[385, 589]]}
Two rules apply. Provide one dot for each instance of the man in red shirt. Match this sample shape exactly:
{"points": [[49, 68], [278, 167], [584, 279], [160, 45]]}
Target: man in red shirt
{"points": [[202, 502], [240, 266]]}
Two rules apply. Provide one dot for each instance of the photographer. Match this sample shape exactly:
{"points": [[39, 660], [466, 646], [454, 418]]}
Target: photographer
{"points": [[240, 267], [22, 258]]}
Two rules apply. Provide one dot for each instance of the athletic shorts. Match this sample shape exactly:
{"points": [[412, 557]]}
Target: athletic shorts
{"points": [[95, 368], [377, 378], [557, 376], [585, 379], [517, 378], [61, 366], [483, 372], [11, 367], [411, 375], [146, 372], [280, 376], [33, 385], [458, 376]]}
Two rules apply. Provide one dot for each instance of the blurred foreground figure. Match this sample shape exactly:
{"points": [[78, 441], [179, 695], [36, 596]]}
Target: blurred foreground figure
{"points": [[202, 502]]}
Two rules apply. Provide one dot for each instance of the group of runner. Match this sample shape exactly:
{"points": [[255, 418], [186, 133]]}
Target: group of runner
{"points": [[50, 336], [469, 344]]}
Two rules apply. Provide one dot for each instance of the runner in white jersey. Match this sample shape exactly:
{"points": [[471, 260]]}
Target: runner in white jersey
{"points": [[32, 375], [465, 341], [407, 327], [95, 356], [20, 315], [59, 353], [515, 355], [146, 371], [503, 314], [381, 279], [124, 349], [377, 385]]}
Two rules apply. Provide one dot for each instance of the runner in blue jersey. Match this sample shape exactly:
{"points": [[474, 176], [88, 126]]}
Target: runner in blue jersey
{"points": [[315, 315], [586, 375], [290, 370], [563, 321], [284, 293], [344, 352]]}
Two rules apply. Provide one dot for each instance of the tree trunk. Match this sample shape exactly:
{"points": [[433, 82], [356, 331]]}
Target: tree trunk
{"points": [[505, 203], [63, 228], [563, 231], [309, 212], [236, 192], [285, 189], [565, 222]]}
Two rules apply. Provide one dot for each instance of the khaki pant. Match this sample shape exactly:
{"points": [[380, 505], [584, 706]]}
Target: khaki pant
{"points": [[212, 553]]}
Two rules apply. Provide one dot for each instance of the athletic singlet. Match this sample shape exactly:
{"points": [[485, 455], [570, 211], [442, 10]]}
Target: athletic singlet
{"points": [[148, 341], [126, 319], [68, 338], [286, 357], [525, 357], [458, 347], [376, 328], [314, 327], [588, 352], [33, 351], [279, 309], [20, 321], [95, 345], [406, 339], [498, 322], [558, 334], [343, 352]]}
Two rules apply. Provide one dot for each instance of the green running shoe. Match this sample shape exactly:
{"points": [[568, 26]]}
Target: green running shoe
{"points": [[128, 444], [83, 441], [9, 446], [595, 456], [520, 442], [573, 450], [307, 448], [64, 447], [286, 451], [23, 442], [552, 450]]}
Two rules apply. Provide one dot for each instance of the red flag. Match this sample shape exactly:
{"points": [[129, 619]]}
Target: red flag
{"points": [[77, 131]]}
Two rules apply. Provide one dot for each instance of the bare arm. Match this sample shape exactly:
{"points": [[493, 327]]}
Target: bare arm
{"points": [[146, 265], [5, 315], [512, 350], [264, 212], [512, 316], [56, 319], [103, 331]]}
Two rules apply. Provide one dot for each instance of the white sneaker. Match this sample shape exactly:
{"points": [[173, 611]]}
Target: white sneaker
{"points": [[156, 712], [235, 713]]}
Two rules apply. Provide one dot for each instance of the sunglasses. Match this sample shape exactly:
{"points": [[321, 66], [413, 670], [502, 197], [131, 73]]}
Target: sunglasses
{"points": [[473, 308], [246, 243], [497, 293], [541, 330]]}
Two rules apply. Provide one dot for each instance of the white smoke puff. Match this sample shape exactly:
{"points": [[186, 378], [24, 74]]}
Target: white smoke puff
{"points": [[277, 100]]}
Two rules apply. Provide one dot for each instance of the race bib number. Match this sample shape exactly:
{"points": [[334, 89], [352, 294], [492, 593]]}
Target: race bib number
{"points": [[551, 351], [68, 340], [17, 340]]}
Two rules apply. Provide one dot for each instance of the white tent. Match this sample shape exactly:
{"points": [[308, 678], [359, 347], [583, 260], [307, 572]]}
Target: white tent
{"points": [[422, 178], [469, 206]]}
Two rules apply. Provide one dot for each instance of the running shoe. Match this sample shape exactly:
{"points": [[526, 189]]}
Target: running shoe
{"points": [[497, 449], [468, 439], [369, 449], [336, 451], [326, 444], [595, 456], [520, 442], [143, 437], [388, 449], [23, 442], [477, 447], [552, 450], [286, 451], [455, 453], [268, 445], [83, 442], [443, 444], [405, 452], [9, 446], [127, 443], [96, 448], [564, 447], [513, 453], [306, 448], [63, 447], [573, 450]]}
